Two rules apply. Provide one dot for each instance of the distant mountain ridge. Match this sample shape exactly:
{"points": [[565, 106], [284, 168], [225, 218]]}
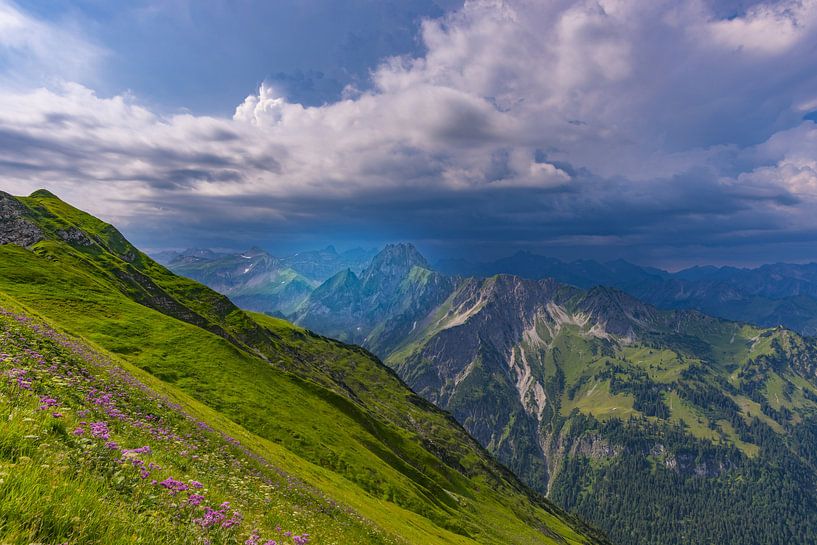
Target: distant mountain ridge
{"points": [[769, 295], [257, 280], [397, 283]]}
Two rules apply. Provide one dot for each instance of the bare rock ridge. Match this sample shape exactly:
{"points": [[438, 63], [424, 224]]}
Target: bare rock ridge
{"points": [[14, 227]]}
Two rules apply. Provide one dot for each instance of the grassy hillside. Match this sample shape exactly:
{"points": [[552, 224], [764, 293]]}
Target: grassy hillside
{"points": [[89, 454], [326, 413]]}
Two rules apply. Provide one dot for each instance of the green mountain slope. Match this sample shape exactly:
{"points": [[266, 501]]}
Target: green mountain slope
{"points": [[662, 427], [90, 454], [601, 401], [327, 413]]}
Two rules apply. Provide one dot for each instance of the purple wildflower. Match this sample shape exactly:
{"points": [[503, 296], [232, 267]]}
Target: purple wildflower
{"points": [[234, 520], [47, 402], [211, 517], [19, 376], [100, 430], [195, 499], [173, 486], [138, 450]]}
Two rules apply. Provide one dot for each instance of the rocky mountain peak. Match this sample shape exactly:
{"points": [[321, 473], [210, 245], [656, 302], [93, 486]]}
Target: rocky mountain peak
{"points": [[621, 313], [344, 280], [403, 255], [389, 267], [14, 227]]}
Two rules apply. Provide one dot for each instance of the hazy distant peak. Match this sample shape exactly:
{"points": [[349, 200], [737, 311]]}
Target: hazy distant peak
{"points": [[403, 253], [254, 252]]}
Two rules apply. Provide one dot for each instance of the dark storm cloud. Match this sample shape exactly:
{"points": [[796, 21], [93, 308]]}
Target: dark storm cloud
{"points": [[618, 128]]}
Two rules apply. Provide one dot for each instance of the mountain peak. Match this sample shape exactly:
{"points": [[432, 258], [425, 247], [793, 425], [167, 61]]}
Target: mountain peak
{"points": [[44, 193], [254, 252], [622, 313], [389, 267], [343, 279], [201, 253], [404, 253]]}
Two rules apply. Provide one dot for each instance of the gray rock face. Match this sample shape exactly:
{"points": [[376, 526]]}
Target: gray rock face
{"points": [[594, 446], [14, 227], [72, 235]]}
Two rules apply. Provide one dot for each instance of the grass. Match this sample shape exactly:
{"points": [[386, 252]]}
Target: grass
{"points": [[310, 407], [595, 398], [64, 481], [696, 422], [662, 365]]}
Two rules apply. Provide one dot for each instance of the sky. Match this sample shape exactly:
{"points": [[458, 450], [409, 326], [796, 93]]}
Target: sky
{"points": [[668, 133]]}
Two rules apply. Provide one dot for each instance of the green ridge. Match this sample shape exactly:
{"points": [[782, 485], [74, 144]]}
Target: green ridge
{"points": [[327, 413]]}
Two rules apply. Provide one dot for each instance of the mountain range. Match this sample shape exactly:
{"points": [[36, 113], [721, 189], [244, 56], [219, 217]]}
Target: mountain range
{"points": [[258, 281], [769, 295], [659, 426], [141, 406]]}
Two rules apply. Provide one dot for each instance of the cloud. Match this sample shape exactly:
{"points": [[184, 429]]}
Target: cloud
{"points": [[789, 161], [34, 50], [606, 123], [766, 29]]}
